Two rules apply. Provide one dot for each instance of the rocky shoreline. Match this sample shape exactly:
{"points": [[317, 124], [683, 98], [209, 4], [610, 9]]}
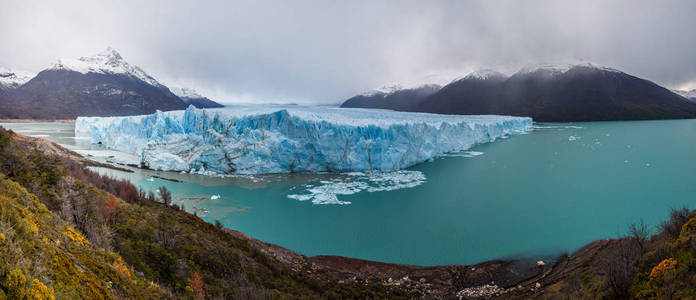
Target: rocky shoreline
{"points": [[496, 279]]}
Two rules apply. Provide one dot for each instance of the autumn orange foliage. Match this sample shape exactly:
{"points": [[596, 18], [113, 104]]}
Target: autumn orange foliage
{"points": [[196, 283], [128, 192], [111, 206]]}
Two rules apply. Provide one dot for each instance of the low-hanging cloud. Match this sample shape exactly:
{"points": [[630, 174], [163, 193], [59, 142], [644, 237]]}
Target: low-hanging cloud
{"points": [[325, 51]]}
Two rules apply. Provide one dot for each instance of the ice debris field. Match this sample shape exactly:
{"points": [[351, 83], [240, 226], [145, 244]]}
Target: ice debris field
{"points": [[258, 139]]}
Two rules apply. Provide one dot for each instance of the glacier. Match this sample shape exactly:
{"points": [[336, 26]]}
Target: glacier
{"points": [[258, 139]]}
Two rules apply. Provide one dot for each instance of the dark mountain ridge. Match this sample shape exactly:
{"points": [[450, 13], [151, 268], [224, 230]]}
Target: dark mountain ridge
{"points": [[191, 97], [398, 99], [67, 94], [553, 94], [99, 85], [202, 102]]}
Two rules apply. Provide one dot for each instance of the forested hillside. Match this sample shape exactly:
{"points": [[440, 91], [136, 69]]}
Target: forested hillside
{"points": [[67, 233]]}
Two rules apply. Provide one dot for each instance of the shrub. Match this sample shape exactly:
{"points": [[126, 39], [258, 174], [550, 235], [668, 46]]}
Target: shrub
{"points": [[165, 195], [619, 265], [111, 206], [677, 218], [40, 291], [196, 284], [665, 266]]}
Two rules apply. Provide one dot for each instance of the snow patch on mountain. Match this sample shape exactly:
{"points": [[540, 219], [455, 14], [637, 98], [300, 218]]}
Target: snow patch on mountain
{"points": [[14, 79], [105, 62], [483, 74], [390, 89], [256, 139], [384, 90], [562, 68]]}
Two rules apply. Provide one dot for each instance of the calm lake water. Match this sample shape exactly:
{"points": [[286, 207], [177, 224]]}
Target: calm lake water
{"points": [[552, 190]]}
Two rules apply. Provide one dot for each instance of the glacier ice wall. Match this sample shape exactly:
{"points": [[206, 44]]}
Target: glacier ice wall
{"points": [[255, 139]]}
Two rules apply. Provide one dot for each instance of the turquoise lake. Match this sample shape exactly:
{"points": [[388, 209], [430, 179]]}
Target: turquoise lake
{"points": [[552, 190]]}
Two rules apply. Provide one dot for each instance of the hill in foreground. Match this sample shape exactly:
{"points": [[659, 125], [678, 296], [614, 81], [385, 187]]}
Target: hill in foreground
{"points": [[66, 232]]}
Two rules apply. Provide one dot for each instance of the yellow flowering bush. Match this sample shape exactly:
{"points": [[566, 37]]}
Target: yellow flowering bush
{"points": [[667, 265], [40, 291], [121, 267], [75, 236]]}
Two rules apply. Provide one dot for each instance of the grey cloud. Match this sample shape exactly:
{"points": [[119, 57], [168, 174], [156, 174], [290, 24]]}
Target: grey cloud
{"points": [[325, 51]]}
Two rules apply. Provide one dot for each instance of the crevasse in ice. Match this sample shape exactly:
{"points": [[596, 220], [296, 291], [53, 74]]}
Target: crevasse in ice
{"points": [[256, 139]]}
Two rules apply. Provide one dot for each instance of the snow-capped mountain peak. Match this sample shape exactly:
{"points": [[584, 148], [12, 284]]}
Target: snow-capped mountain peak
{"points": [[108, 61], [384, 90], [483, 74], [389, 89], [14, 79], [185, 92], [562, 68]]}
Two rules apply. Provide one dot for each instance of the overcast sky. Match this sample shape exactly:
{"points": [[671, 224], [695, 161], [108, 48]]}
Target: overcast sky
{"points": [[326, 51]]}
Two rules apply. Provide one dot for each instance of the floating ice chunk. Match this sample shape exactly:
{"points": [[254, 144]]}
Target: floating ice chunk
{"points": [[214, 197], [150, 179], [301, 197], [462, 154], [534, 127], [256, 139], [573, 138], [327, 191]]}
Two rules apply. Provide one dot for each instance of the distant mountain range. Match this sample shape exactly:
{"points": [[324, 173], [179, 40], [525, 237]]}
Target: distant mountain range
{"points": [[691, 95], [393, 97], [100, 85], [191, 97], [13, 79], [583, 92]]}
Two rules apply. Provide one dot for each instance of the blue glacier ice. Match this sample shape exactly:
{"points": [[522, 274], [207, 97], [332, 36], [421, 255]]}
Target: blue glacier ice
{"points": [[256, 139]]}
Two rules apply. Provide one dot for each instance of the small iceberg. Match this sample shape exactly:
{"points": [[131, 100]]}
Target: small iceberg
{"points": [[214, 197], [462, 154]]}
